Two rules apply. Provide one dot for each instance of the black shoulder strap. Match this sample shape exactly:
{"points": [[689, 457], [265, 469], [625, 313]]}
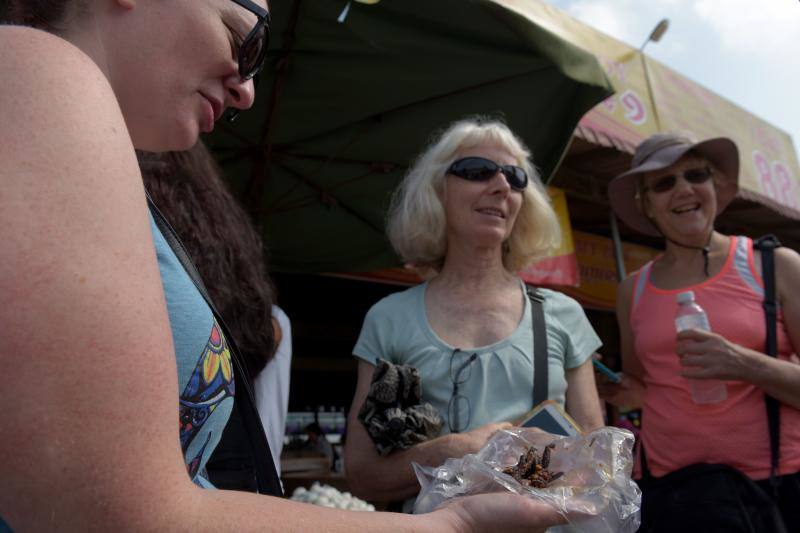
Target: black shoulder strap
{"points": [[244, 400], [539, 346], [767, 245]]}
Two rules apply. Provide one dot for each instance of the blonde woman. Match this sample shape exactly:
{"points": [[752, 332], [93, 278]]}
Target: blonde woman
{"points": [[472, 210]]}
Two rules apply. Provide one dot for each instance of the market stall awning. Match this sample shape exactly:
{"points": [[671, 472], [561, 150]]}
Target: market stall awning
{"points": [[627, 117], [348, 99], [769, 173], [650, 97]]}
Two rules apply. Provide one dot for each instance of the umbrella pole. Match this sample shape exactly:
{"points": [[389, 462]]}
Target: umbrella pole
{"points": [[261, 171], [615, 238]]}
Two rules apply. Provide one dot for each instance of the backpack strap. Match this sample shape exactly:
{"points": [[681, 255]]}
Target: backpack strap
{"points": [[638, 287], [540, 385], [767, 245], [244, 400]]}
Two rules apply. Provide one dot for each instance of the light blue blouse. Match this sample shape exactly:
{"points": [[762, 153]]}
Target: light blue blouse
{"points": [[499, 385]]}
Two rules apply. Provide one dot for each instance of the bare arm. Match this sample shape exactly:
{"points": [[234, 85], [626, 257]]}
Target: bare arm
{"points": [[391, 477], [92, 406], [90, 420], [708, 355], [630, 364], [628, 393], [583, 404]]}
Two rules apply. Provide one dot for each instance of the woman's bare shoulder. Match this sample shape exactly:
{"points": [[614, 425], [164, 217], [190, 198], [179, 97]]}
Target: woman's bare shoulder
{"points": [[25, 37], [787, 271], [29, 46], [45, 76], [79, 267], [626, 285], [57, 106], [68, 160], [624, 293]]}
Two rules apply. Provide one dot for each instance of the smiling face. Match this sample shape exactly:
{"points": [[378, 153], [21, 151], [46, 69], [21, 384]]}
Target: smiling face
{"points": [[687, 211], [174, 67], [481, 213]]}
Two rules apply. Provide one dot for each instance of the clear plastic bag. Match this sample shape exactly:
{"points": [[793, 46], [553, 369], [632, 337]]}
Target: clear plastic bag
{"points": [[595, 494]]}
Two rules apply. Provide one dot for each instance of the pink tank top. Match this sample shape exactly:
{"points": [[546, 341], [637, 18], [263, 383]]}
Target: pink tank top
{"points": [[676, 432]]}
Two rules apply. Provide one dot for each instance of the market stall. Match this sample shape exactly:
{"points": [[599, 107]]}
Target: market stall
{"points": [[350, 95], [347, 99]]}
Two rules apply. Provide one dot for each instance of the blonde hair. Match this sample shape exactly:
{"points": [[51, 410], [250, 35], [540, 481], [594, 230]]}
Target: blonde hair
{"points": [[416, 219]]}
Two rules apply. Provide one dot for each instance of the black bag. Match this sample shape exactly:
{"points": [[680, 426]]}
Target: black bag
{"points": [[710, 498]]}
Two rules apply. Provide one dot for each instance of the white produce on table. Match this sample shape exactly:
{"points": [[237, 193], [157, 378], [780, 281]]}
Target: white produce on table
{"points": [[328, 496]]}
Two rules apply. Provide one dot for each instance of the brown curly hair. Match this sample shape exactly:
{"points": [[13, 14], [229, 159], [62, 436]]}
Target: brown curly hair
{"points": [[188, 189]]}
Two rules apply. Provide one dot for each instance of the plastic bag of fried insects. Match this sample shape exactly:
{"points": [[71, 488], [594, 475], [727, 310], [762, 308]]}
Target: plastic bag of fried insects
{"points": [[586, 477]]}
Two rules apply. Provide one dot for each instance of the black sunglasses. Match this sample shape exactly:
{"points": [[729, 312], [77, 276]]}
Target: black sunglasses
{"points": [[253, 49], [458, 410], [482, 169], [695, 176]]}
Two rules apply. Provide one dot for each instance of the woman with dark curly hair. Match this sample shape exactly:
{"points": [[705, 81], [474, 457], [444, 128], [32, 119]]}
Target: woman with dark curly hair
{"points": [[119, 380], [189, 190]]}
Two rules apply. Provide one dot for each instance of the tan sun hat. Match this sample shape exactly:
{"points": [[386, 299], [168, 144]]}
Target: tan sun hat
{"points": [[661, 151]]}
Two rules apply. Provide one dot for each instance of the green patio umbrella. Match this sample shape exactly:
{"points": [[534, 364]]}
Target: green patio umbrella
{"points": [[352, 92]]}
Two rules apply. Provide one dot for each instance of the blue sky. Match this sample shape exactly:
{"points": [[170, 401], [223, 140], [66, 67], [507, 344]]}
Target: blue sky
{"points": [[745, 50]]}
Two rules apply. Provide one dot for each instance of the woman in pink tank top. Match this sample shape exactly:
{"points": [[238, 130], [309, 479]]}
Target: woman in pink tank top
{"points": [[675, 189]]}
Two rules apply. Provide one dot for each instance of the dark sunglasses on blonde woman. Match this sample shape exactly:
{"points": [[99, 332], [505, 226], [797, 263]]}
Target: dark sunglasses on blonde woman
{"points": [[695, 176], [482, 169]]}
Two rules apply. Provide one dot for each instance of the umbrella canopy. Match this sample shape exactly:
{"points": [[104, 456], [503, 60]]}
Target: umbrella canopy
{"points": [[349, 96]]}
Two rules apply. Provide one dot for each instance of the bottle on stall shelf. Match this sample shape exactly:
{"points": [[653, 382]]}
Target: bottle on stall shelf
{"points": [[691, 316]]}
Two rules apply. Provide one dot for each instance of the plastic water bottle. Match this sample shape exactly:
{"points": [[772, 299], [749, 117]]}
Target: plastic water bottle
{"points": [[691, 316]]}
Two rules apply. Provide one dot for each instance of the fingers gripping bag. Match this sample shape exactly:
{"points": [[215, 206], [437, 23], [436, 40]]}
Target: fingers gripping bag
{"points": [[586, 477]]}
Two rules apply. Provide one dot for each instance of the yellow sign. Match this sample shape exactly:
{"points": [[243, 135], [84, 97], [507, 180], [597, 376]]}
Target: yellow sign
{"points": [[559, 200], [598, 271], [560, 267]]}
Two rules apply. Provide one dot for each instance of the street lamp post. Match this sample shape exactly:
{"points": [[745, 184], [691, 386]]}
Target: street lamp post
{"points": [[657, 33], [655, 36]]}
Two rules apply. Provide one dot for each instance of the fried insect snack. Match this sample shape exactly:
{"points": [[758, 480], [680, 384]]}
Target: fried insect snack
{"points": [[531, 470]]}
